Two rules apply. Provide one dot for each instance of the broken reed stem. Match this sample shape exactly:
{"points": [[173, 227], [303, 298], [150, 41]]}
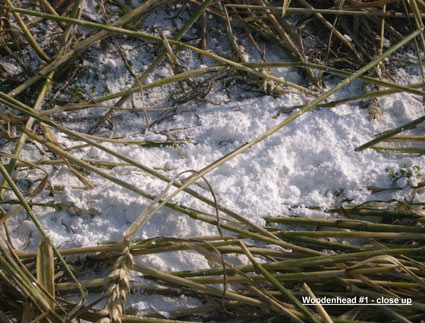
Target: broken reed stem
{"points": [[171, 79], [81, 106], [347, 224], [334, 71], [308, 11], [407, 150], [418, 23], [52, 10], [387, 283], [319, 276], [28, 34], [294, 264], [325, 316], [197, 287], [258, 236], [322, 244], [104, 251], [285, 292], [102, 163], [100, 283], [406, 138], [371, 211], [391, 133], [368, 95], [359, 235]]}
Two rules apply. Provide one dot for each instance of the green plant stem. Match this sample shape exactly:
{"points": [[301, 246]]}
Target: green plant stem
{"points": [[395, 284], [196, 286], [293, 264], [391, 133], [347, 224], [407, 150], [307, 11], [377, 212], [285, 292], [407, 138], [253, 235], [321, 243], [160, 247], [364, 235], [368, 95], [338, 72], [320, 276], [135, 319], [164, 81], [15, 275]]}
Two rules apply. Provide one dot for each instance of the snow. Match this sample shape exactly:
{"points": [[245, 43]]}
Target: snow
{"points": [[311, 162]]}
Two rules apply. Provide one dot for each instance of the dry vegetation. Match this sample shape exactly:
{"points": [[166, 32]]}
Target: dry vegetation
{"points": [[388, 257]]}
